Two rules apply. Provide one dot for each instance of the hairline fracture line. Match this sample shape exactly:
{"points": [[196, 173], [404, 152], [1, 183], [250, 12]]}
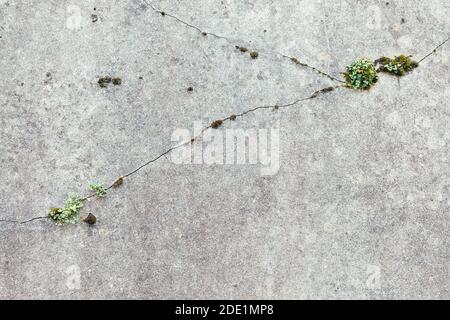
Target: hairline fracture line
{"points": [[234, 41], [229, 118], [169, 150]]}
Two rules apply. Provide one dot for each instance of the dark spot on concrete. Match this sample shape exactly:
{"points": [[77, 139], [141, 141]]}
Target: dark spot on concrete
{"points": [[402, 21], [94, 17], [163, 13], [190, 89], [204, 34], [48, 74], [233, 117], [141, 77], [242, 49], [328, 89]]}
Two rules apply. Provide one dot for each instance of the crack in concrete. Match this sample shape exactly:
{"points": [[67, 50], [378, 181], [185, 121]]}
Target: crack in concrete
{"points": [[234, 41], [24, 221], [434, 50], [231, 117], [219, 122]]}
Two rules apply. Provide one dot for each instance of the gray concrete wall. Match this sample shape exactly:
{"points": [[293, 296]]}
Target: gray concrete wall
{"points": [[357, 209]]}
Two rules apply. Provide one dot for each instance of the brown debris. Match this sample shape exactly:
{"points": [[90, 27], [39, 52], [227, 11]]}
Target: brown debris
{"points": [[118, 182], [216, 124]]}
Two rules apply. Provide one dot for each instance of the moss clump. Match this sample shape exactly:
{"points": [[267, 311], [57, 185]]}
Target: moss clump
{"points": [[295, 60], [233, 117], [242, 49], [98, 189], [116, 81], [216, 124], [254, 54], [68, 214], [361, 74], [118, 182], [397, 66], [104, 81]]}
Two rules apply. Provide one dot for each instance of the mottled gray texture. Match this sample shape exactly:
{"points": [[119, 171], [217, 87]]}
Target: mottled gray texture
{"points": [[364, 177]]}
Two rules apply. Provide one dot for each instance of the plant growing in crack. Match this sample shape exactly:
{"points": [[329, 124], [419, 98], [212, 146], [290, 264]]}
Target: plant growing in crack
{"points": [[69, 213], [99, 189], [397, 66], [361, 74]]}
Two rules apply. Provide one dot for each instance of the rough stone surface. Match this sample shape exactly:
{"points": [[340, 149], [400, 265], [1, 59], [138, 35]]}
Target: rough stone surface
{"points": [[358, 209]]}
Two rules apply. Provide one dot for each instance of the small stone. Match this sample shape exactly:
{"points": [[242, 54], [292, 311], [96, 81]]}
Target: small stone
{"points": [[90, 219]]}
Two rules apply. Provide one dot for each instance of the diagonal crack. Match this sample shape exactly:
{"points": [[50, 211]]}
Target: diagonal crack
{"points": [[234, 41], [217, 123], [214, 125], [434, 50]]}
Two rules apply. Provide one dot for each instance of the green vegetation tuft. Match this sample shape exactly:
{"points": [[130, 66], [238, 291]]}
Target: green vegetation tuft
{"points": [[397, 66], [69, 213], [99, 189], [361, 74]]}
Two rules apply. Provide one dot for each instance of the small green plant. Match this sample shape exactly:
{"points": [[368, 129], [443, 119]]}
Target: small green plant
{"points": [[99, 189], [397, 66], [361, 74], [69, 213]]}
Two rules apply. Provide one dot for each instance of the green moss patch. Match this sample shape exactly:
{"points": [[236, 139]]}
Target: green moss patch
{"points": [[398, 66]]}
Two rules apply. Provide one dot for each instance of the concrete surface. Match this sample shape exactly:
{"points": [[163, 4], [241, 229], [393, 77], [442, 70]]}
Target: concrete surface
{"points": [[358, 209]]}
